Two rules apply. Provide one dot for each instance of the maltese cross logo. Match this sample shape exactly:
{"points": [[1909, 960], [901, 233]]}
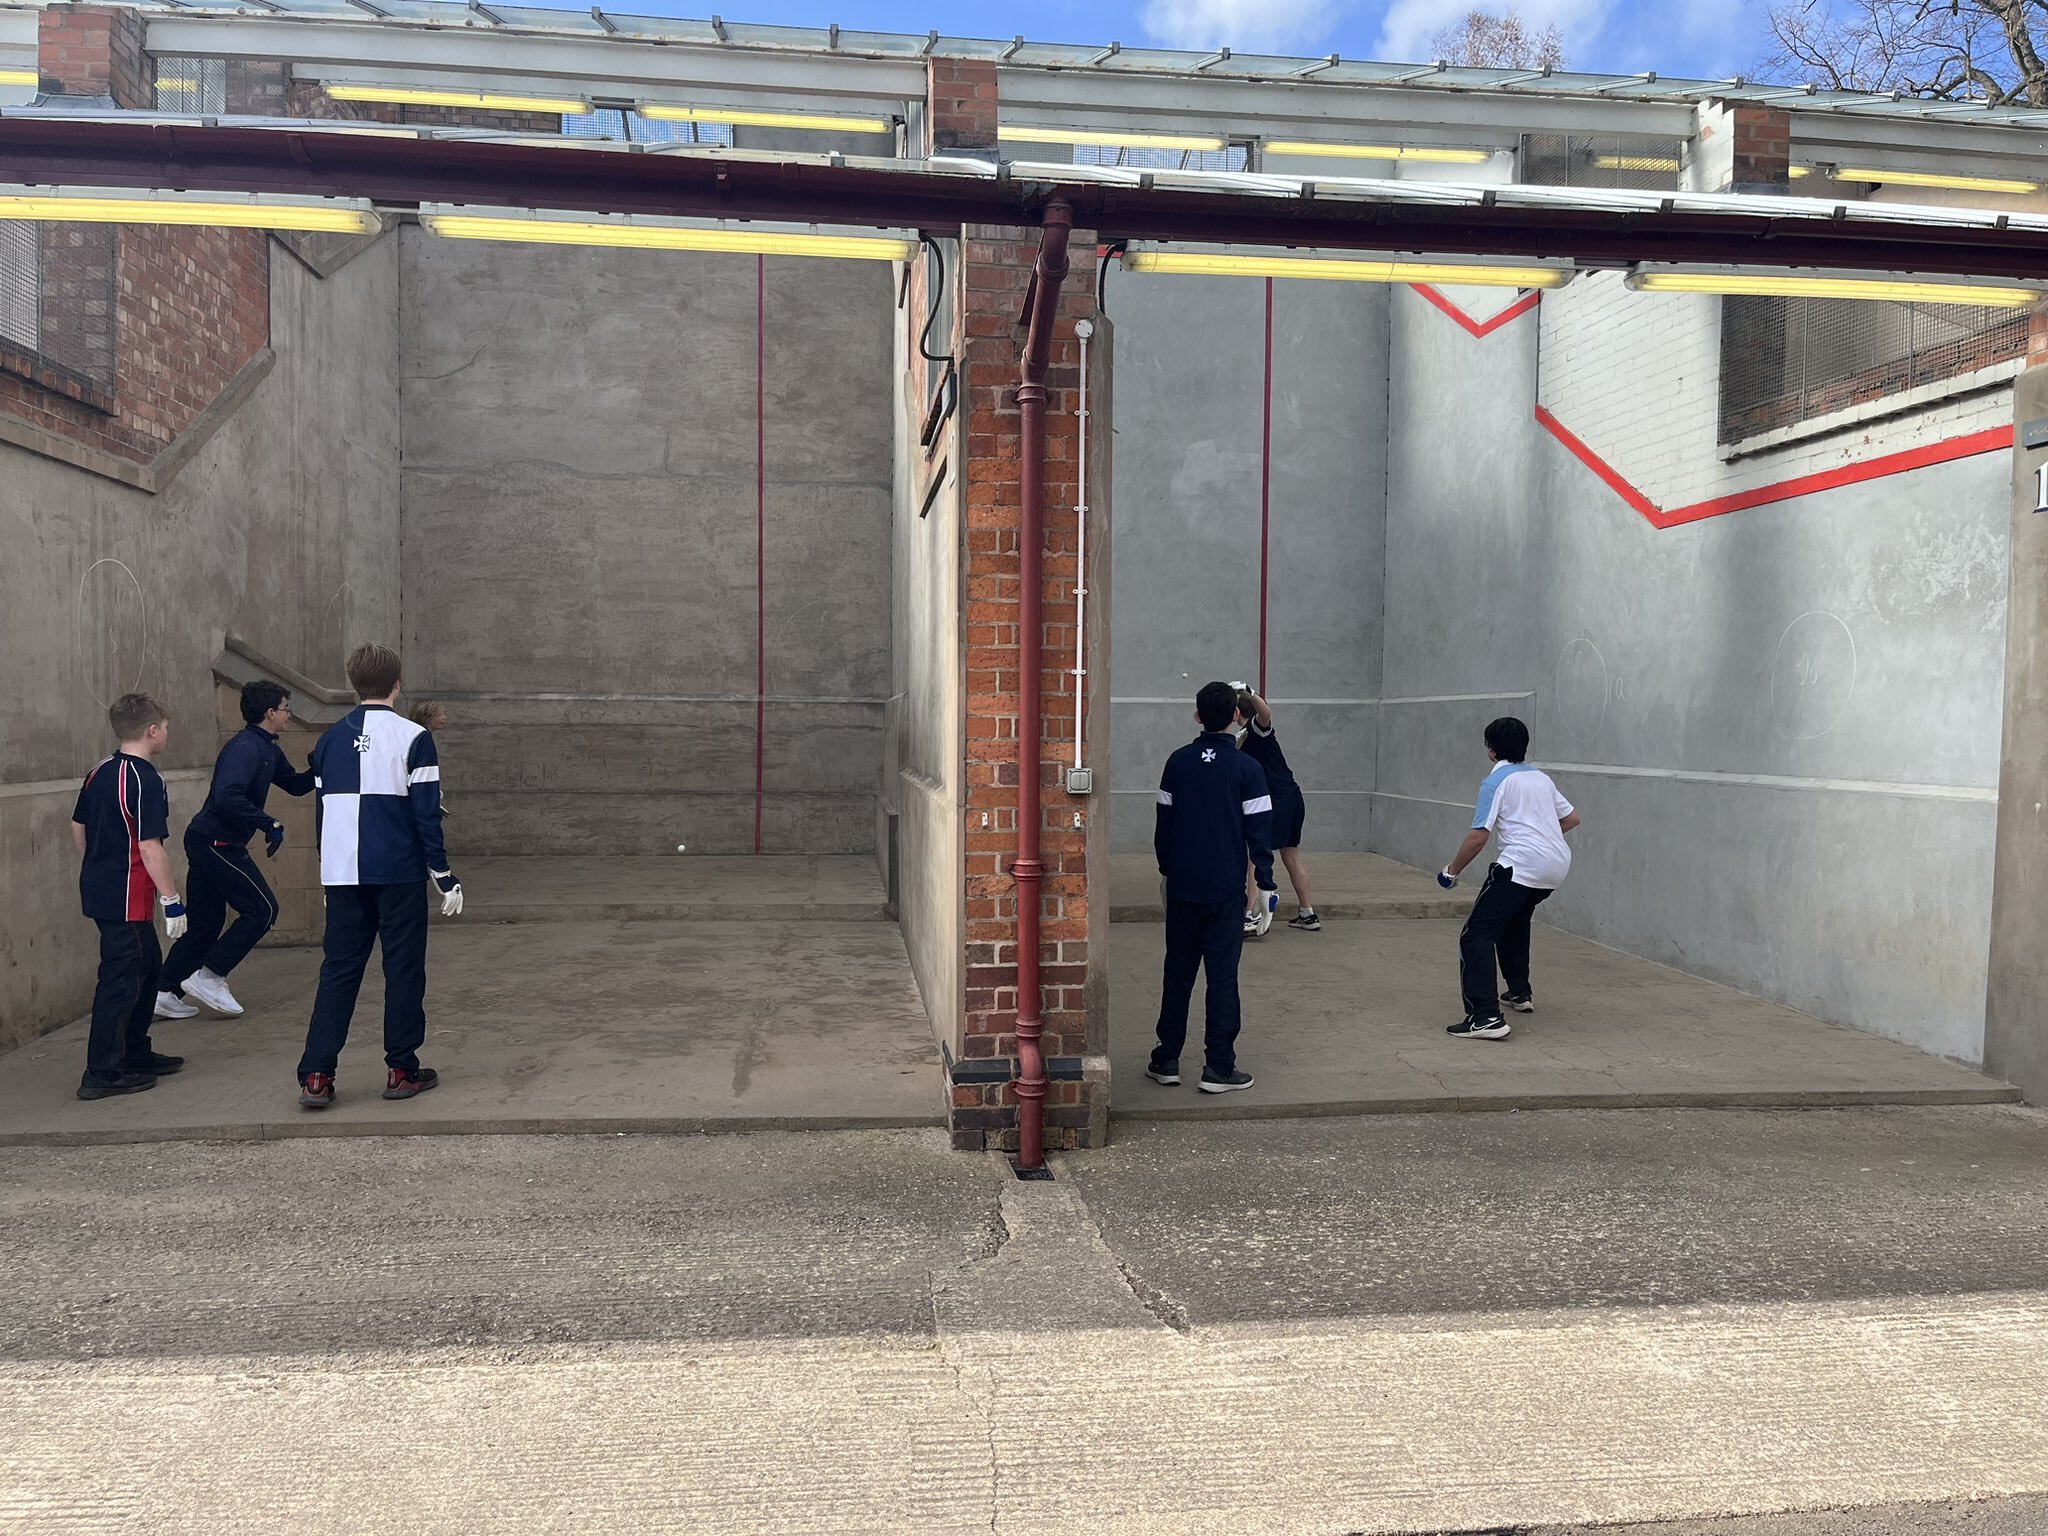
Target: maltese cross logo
{"points": [[363, 742], [1208, 754]]}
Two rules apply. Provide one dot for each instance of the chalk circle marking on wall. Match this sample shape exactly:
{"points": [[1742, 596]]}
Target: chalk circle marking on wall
{"points": [[1580, 691], [107, 630], [1813, 676]]}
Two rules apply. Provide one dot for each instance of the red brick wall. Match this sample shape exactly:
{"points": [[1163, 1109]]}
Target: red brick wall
{"points": [[960, 104], [94, 50], [995, 277], [1763, 147]]}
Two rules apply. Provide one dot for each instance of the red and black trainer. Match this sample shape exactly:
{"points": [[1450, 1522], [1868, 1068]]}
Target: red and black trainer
{"points": [[405, 1085], [316, 1090]]}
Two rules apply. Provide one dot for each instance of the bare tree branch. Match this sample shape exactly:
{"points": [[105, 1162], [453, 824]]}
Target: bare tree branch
{"points": [[1486, 41], [1941, 50]]}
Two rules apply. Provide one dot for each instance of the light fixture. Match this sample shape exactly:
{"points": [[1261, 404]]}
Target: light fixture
{"points": [[1896, 287], [220, 210], [1350, 267], [821, 122], [1429, 153], [1636, 162], [13, 77], [1936, 179], [1024, 133], [647, 233], [1797, 171], [480, 101]]}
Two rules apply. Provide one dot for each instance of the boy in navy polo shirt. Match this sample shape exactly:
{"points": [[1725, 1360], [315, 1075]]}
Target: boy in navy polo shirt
{"points": [[120, 823]]}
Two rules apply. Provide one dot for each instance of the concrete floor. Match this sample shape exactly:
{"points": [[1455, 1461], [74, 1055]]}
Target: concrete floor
{"points": [[1351, 1020], [1280, 1328], [1346, 885], [569, 995]]}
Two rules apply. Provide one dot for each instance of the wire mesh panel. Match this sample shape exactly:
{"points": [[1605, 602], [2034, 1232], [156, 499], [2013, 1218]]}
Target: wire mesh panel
{"points": [[192, 85], [1232, 157], [632, 128], [1629, 162], [1785, 360], [20, 279]]}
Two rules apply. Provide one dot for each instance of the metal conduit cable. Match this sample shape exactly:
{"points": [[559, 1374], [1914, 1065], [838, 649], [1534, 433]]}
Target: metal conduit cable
{"points": [[937, 253]]}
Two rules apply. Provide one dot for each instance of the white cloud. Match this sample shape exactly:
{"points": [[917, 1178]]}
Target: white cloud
{"points": [[1249, 26], [1410, 24]]}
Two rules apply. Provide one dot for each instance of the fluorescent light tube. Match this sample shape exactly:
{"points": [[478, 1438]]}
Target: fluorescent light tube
{"points": [[481, 101], [1936, 179], [663, 112], [1014, 133], [221, 210], [637, 232], [1430, 153], [1896, 287], [1347, 269]]}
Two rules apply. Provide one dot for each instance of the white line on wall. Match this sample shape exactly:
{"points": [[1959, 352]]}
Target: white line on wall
{"points": [[1305, 792], [1423, 698], [1970, 793], [1386, 794], [651, 698]]}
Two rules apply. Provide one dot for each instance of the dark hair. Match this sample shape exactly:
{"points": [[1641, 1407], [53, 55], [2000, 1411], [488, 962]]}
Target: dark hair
{"points": [[1217, 706], [132, 714], [1508, 739], [373, 671], [260, 698], [1245, 705], [424, 713]]}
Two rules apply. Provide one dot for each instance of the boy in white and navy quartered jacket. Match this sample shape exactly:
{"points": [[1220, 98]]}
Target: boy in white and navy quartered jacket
{"points": [[379, 786]]}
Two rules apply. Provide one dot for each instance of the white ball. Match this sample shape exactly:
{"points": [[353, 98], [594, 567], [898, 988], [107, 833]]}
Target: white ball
{"points": [[682, 847]]}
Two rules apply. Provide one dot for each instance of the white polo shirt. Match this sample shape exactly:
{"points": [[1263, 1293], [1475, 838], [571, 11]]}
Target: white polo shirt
{"points": [[1521, 807]]}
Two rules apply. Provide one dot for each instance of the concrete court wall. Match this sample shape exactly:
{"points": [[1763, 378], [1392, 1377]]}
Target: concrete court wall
{"points": [[1782, 725], [283, 529], [1190, 421], [581, 515]]}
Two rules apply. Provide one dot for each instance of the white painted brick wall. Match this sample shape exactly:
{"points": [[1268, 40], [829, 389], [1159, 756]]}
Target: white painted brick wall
{"points": [[1636, 377]]}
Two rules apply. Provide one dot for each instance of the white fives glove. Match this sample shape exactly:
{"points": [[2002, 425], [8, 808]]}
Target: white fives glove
{"points": [[451, 893], [174, 916]]}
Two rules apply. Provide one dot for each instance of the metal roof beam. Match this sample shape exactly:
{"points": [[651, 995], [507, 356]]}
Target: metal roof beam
{"points": [[608, 89], [485, 53], [1282, 109], [1818, 132]]}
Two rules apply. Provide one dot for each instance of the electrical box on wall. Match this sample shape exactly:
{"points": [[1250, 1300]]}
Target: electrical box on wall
{"points": [[1080, 781]]}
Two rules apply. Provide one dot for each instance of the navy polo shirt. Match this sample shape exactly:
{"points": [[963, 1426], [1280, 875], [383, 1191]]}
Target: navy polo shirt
{"points": [[121, 805]]}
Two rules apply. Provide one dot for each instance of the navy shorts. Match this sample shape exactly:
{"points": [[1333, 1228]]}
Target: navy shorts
{"points": [[1289, 811]]}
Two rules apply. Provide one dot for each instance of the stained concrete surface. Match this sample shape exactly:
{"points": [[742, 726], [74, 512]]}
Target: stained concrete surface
{"points": [[1351, 1020], [771, 1333], [575, 1024], [682, 887], [1990, 1517]]}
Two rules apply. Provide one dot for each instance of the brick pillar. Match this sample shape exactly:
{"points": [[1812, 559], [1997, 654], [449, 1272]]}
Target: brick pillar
{"points": [[960, 105], [94, 50], [1738, 147], [995, 277]]}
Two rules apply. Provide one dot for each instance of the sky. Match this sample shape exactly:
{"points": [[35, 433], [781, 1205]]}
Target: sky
{"points": [[1702, 39]]}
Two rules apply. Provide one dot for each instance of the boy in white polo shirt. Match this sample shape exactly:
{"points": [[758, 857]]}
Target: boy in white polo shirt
{"points": [[1519, 805]]}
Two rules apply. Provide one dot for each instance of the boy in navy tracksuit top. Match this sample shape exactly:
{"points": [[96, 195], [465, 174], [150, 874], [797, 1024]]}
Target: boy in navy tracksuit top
{"points": [[379, 783], [119, 824], [218, 870], [1213, 812]]}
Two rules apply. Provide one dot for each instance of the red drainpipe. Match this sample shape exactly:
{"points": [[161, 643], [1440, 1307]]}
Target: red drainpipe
{"points": [[1043, 308]]}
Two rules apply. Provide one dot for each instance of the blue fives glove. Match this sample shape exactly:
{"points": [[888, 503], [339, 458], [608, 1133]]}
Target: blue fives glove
{"points": [[1271, 896], [174, 916], [1445, 878], [273, 838]]}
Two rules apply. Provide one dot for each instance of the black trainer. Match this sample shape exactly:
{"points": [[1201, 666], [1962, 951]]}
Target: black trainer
{"points": [[1211, 1083], [155, 1063], [1169, 1073], [1306, 920], [401, 1084], [1521, 1002], [90, 1087], [1480, 1029]]}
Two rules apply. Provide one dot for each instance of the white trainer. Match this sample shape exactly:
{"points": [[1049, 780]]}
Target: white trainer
{"points": [[171, 1006], [212, 991]]}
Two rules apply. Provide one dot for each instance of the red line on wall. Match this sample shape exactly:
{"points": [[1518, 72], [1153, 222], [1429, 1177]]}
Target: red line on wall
{"points": [[1265, 486], [1520, 307], [1990, 440], [760, 540]]}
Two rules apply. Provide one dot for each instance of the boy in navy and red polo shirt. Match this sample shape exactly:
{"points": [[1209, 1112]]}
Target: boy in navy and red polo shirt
{"points": [[120, 823]]}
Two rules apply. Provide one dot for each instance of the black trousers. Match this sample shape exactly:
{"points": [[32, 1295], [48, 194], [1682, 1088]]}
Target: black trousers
{"points": [[358, 918], [216, 879], [1497, 930], [1202, 935], [124, 1001]]}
